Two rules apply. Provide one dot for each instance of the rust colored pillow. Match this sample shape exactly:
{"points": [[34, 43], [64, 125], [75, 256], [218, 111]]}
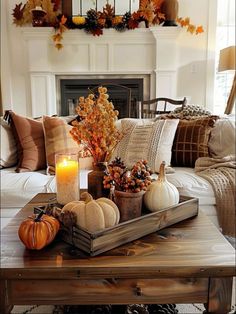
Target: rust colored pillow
{"points": [[191, 140], [57, 140], [30, 142]]}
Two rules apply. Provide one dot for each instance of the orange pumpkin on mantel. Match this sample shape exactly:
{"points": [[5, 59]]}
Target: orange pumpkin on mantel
{"points": [[38, 231]]}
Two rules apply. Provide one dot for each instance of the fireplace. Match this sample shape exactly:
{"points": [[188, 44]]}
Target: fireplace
{"points": [[125, 93], [147, 58]]}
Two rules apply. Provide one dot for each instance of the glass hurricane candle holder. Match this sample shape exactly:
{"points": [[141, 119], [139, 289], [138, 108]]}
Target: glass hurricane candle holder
{"points": [[67, 178]]}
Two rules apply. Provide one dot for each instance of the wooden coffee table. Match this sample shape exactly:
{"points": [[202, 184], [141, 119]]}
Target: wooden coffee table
{"points": [[190, 262]]}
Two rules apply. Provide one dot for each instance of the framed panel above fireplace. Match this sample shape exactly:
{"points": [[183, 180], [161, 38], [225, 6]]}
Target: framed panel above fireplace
{"points": [[125, 93]]}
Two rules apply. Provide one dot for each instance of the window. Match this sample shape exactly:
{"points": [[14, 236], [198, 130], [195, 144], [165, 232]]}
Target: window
{"points": [[225, 36]]}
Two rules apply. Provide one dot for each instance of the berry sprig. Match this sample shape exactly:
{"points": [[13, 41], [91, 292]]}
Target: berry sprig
{"points": [[135, 180]]}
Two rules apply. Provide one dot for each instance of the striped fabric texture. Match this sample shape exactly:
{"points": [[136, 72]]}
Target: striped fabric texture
{"points": [[57, 140], [29, 137], [146, 140]]}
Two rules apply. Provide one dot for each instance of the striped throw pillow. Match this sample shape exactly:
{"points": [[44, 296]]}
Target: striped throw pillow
{"points": [[145, 139], [29, 137], [58, 140]]}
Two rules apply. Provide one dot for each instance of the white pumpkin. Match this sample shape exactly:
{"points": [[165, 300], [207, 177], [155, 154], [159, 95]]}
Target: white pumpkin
{"points": [[161, 193], [94, 215]]}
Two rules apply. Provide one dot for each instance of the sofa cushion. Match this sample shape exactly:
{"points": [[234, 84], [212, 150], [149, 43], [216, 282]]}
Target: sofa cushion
{"points": [[145, 139], [190, 184], [30, 142], [8, 146], [222, 140], [191, 141], [19, 188]]}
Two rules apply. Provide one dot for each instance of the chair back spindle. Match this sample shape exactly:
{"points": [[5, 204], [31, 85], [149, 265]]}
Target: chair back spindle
{"points": [[150, 108]]}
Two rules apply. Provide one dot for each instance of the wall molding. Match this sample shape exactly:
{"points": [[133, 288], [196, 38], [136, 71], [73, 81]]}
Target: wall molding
{"points": [[141, 51]]}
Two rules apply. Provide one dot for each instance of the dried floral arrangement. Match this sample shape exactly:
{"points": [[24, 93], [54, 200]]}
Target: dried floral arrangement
{"points": [[122, 179], [95, 21], [96, 128]]}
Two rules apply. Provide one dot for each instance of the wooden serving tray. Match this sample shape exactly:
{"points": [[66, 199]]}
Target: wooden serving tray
{"points": [[109, 238]]}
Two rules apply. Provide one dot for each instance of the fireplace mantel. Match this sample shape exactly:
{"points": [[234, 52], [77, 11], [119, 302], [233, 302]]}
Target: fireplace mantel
{"points": [[151, 51]]}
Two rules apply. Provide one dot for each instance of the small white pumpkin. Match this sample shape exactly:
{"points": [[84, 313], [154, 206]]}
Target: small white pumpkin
{"points": [[161, 193], [94, 215]]}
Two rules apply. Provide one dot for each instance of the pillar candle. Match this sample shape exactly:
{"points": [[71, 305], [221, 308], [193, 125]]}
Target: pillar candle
{"points": [[67, 178]]}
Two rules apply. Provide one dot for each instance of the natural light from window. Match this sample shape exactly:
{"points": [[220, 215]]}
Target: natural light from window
{"points": [[225, 36]]}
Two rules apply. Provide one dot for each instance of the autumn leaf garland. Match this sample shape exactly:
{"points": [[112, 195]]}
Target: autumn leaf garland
{"points": [[95, 21], [193, 29]]}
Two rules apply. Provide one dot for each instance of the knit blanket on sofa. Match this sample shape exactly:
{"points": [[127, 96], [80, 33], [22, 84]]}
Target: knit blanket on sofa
{"points": [[221, 175]]}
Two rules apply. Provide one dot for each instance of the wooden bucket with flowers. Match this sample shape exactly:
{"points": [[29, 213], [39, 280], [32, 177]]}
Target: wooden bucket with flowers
{"points": [[128, 186]]}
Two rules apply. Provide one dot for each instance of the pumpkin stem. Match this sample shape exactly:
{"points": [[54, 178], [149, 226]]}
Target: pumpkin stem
{"points": [[38, 217], [86, 197], [162, 173]]}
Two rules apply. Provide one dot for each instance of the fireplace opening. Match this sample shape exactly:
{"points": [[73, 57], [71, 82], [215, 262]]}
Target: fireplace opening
{"points": [[125, 94]]}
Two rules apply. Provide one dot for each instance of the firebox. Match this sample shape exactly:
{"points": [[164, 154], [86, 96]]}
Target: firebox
{"points": [[125, 93]]}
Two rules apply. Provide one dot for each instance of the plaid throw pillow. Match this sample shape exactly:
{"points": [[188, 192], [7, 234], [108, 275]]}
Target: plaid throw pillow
{"points": [[57, 140], [191, 141]]}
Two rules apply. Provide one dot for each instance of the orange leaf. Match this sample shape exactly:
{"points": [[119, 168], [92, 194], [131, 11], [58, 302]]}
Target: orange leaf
{"points": [[63, 19], [147, 14], [161, 16], [135, 15], [157, 4], [57, 37], [59, 46], [191, 28], [132, 24], [199, 29], [143, 4], [183, 22]]}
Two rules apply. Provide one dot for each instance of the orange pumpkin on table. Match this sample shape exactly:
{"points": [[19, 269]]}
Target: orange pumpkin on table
{"points": [[38, 231]]}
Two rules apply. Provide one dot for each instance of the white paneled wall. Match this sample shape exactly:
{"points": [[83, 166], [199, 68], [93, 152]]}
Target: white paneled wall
{"points": [[138, 52], [177, 62]]}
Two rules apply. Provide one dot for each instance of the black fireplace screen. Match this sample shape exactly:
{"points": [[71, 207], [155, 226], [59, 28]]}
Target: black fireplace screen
{"points": [[124, 94]]}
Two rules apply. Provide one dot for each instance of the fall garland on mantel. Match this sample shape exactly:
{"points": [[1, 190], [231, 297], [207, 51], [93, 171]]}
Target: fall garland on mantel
{"points": [[94, 22]]}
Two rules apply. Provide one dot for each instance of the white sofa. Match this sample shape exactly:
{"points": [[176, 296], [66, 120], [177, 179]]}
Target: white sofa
{"points": [[18, 188]]}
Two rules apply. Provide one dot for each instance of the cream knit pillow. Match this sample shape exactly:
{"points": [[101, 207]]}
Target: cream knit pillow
{"points": [[145, 139]]}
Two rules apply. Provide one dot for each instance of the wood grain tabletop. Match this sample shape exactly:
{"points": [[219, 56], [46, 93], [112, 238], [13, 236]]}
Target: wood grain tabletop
{"points": [[190, 248]]}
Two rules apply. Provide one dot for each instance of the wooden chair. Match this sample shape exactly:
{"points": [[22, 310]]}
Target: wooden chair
{"points": [[153, 107]]}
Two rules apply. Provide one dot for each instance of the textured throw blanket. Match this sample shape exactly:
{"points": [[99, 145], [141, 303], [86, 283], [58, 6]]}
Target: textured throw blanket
{"points": [[221, 174]]}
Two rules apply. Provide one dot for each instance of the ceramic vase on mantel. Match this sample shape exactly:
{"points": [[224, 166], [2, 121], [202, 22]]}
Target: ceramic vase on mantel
{"points": [[95, 180], [129, 204], [170, 8]]}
